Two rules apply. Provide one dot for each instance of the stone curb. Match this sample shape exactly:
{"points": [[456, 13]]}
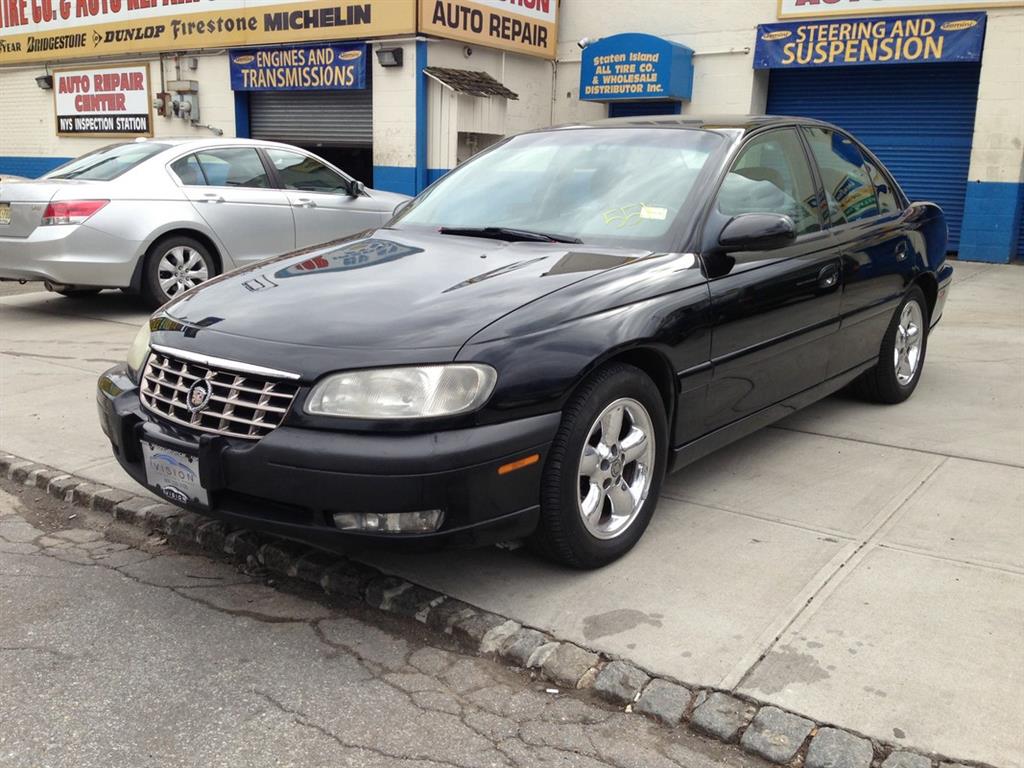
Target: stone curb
{"points": [[762, 729]]}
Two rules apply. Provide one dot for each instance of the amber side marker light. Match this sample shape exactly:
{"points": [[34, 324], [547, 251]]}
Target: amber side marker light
{"points": [[512, 466]]}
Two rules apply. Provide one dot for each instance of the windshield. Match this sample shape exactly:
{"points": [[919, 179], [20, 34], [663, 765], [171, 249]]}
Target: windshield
{"points": [[107, 163], [623, 187]]}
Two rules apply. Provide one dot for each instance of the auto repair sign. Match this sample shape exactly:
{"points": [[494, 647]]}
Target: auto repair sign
{"points": [[110, 101]]}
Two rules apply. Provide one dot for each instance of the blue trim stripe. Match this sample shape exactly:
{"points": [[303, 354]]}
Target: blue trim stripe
{"points": [[402, 179], [32, 167], [421, 116], [242, 114], [992, 221]]}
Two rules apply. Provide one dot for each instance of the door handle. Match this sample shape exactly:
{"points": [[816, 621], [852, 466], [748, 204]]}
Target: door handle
{"points": [[304, 202], [211, 197], [901, 252], [828, 277]]}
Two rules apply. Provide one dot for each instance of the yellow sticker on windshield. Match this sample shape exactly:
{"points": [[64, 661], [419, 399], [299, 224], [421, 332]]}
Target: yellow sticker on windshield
{"points": [[653, 212]]}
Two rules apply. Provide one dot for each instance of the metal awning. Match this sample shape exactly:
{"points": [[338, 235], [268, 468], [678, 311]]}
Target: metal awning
{"points": [[469, 82]]}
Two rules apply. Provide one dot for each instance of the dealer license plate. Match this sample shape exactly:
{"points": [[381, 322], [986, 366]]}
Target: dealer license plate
{"points": [[174, 475], [5, 213]]}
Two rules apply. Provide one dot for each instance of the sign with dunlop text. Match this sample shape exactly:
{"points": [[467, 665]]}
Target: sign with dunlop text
{"points": [[48, 30], [522, 26], [885, 40]]}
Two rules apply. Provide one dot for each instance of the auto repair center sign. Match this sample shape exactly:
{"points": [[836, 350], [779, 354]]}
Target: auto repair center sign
{"points": [[112, 101], [887, 40]]}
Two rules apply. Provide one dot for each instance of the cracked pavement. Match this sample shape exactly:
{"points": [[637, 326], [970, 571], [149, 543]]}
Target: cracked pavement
{"points": [[118, 651]]}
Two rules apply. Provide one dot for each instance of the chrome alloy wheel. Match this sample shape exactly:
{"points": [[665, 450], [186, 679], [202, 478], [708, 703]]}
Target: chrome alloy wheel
{"points": [[616, 468], [908, 343], [181, 268]]}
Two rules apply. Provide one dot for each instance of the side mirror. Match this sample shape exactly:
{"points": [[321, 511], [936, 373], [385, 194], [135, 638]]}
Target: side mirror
{"points": [[356, 188], [757, 232]]}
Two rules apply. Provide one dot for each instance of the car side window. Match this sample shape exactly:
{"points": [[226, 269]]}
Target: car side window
{"points": [[188, 171], [848, 187], [771, 175], [236, 167], [884, 189], [301, 172]]}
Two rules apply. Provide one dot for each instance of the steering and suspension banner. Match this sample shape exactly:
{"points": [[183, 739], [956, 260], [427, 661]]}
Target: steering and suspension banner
{"points": [[884, 40], [38, 30]]}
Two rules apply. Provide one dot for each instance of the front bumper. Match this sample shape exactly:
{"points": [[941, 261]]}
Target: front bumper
{"points": [[292, 481]]}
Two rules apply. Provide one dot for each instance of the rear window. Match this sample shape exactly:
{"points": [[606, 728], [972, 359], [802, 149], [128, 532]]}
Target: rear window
{"points": [[107, 163]]}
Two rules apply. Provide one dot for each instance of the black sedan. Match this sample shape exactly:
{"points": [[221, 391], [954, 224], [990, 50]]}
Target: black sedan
{"points": [[530, 345]]}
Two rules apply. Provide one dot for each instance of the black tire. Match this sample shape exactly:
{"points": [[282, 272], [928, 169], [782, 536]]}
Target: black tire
{"points": [[561, 534], [152, 293], [880, 384]]}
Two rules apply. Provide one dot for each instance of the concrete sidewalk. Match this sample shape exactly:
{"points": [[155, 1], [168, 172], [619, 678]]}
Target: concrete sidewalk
{"points": [[859, 564]]}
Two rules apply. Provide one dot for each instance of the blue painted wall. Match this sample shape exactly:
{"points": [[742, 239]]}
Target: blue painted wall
{"points": [[403, 179], [992, 222], [29, 166]]}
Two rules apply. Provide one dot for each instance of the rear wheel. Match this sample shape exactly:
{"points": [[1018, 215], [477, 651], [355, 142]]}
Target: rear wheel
{"points": [[603, 474], [173, 266], [901, 358]]}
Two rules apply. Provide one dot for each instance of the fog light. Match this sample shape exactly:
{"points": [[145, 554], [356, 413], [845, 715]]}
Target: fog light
{"points": [[424, 521]]}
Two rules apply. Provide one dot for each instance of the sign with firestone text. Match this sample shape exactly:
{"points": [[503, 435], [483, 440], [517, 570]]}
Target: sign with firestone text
{"points": [[523, 26], [884, 40], [59, 30], [112, 101], [302, 68], [810, 9], [635, 66]]}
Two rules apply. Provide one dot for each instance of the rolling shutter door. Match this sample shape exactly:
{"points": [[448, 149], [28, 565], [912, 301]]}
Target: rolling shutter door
{"points": [[918, 119], [337, 118]]}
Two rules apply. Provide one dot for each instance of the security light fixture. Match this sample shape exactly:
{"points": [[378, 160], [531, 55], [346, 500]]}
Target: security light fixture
{"points": [[45, 82], [389, 57]]}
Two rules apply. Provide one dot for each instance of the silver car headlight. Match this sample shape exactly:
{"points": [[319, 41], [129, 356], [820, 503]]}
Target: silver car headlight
{"points": [[416, 392], [138, 350]]}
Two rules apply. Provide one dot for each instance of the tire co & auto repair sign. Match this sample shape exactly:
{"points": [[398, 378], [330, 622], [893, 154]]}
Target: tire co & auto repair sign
{"points": [[111, 101]]}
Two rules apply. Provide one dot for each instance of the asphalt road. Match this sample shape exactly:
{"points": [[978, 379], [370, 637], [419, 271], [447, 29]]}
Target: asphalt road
{"points": [[117, 651]]}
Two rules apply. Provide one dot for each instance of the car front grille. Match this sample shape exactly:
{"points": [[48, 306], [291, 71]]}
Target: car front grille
{"points": [[241, 403]]}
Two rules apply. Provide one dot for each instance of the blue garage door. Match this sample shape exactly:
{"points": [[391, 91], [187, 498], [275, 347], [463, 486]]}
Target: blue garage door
{"points": [[918, 118]]}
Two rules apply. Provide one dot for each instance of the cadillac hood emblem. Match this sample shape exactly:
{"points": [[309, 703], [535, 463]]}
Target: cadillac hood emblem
{"points": [[198, 396]]}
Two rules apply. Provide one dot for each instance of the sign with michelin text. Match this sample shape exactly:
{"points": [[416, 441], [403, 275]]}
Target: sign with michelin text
{"points": [[886, 40], [300, 68], [522, 26], [48, 30], [810, 9], [112, 101], [635, 66]]}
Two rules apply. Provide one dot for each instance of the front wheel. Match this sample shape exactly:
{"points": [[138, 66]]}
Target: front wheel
{"points": [[901, 358], [603, 475], [173, 266]]}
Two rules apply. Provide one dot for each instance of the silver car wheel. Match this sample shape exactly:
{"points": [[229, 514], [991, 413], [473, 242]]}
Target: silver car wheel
{"points": [[616, 468], [909, 339], [181, 268]]}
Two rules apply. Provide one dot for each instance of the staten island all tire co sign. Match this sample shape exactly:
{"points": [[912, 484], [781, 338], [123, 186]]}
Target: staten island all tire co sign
{"points": [[108, 101]]}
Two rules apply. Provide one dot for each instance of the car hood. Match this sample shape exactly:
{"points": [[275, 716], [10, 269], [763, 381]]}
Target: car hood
{"points": [[389, 289]]}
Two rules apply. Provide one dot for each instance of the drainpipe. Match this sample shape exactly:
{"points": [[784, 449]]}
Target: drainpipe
{"points": [[421, 116]]}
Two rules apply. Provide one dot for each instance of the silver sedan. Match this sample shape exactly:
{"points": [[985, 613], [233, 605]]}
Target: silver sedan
{"points": [[161, 216]]}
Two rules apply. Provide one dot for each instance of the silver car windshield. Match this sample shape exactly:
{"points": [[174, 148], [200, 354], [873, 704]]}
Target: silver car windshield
{"points": [[107, 163], [624, 187]]}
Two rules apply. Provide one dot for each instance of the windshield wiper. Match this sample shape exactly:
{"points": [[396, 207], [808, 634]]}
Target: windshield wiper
{"points": [[509, 234]]}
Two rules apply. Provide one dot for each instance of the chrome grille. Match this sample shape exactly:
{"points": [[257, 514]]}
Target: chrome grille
{"points": [[241, 404]]}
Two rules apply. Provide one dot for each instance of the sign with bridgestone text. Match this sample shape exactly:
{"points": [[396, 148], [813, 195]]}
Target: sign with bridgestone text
{"points": [[108, 101]]}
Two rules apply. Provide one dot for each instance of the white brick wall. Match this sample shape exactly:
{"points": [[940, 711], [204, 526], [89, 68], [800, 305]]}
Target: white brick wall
{"points": [[27, 115], [998, 153]]}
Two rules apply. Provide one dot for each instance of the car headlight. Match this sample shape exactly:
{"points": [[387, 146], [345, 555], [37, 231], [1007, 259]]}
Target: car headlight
{"points": [[138, 350], [403, 393]]}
